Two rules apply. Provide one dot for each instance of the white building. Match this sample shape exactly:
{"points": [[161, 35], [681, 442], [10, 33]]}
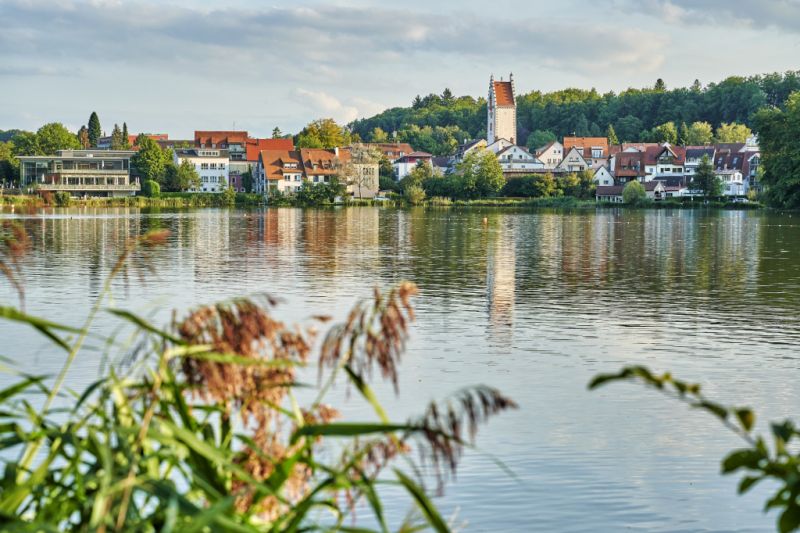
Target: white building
{"points": [[602, 177], [501, 111], [516, 159], [404, 165], [573, 162], [210, 164], [551, 155]]}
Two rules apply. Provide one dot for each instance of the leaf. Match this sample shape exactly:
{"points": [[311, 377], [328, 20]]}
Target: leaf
{"points": [[423, 502], [748, 482], [713, 408], [367, 393], [741, 459], [790, 518], [746, 418], [347, 429], [10, 313], [13, 390], [145, 325]]}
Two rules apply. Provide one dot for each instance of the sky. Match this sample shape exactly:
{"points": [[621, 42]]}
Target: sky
{"points": [[176, 66]]}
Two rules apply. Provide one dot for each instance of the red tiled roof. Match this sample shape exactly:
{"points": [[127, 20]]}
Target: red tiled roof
{"points": [[255, 146], [586, 144], [652, 153], [219, 137], [504, 94], [629, 164], [273, 161], [324, 160]]}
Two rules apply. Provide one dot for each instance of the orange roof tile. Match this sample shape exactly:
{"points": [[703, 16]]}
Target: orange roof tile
{"points": [[504, 94], [255, 146]]}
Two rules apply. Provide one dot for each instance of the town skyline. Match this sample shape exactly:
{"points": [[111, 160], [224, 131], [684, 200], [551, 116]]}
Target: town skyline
{"points": [[195, 57]]}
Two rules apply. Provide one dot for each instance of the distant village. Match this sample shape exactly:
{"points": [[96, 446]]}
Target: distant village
{"points": [[222, 159]]}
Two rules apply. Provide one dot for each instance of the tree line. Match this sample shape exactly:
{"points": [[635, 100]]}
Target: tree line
{"points": [[439, 123]]}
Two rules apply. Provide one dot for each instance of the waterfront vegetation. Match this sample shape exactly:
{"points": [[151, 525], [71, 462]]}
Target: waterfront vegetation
{"points": [[197, 427]]}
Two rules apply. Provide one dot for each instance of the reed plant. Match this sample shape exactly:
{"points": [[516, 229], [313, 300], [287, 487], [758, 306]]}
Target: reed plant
{"points": [[201, 428]]}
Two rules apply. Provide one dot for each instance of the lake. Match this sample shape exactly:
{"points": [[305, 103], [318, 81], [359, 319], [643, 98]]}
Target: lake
{"points": [[532, 302]]}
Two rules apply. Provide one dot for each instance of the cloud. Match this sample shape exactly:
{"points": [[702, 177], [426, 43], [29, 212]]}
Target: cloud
{"points": [[781, 14]]}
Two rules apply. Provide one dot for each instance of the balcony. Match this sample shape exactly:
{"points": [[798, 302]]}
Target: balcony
{"points": [[128, 187]]}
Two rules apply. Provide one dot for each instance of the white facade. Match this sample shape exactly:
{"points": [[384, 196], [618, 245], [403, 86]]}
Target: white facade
{"points": [[733, 183], [551, 155], [573, 162], [499, 145], [501, 111], [518, 159], [603, 177], [210, 164]]}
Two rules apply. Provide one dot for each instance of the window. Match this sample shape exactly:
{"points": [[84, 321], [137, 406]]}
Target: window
{"points": [[203, 166], [221, 166], [213, 166], [597, 152]]}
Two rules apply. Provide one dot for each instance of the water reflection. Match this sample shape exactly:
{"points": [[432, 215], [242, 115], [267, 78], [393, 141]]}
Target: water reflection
{"points": [[534, 302]]}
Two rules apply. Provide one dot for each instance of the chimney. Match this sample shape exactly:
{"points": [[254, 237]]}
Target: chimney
{"points": [[336, 151]]}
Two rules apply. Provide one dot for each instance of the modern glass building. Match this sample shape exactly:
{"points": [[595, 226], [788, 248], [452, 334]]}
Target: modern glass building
{"points": [[81, 172]]}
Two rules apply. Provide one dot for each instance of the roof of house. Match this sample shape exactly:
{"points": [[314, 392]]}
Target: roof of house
{"points": [[521, 148], [638, 146], [503, 93], [652, 153], [629, 164], [441, 161], [546, 147], [255, 146], [414, 155], [273, 161], [392, 149], [585, 144], [201, 152], [696, 152], [219, 137], [609, 190], [320, 161], [728, 157]]}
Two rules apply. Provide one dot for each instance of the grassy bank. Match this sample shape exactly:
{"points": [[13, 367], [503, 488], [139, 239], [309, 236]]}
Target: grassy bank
{"points": [[173, 200]]}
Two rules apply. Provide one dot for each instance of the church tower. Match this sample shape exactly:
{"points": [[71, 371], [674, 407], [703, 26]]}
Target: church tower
{"points": [[502, 111]]}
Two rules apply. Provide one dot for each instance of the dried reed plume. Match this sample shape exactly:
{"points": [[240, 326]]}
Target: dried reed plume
{"points": [[374, 334], [14, 244]]}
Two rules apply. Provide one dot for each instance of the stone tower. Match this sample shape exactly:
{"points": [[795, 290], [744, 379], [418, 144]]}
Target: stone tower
{"points": [[502, 111]]}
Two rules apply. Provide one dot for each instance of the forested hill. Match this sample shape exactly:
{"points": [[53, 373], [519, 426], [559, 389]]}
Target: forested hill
{"points": [[438, 123]]}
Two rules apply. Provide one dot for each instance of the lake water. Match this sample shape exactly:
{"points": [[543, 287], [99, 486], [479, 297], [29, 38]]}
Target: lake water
{"points": [[532, 302]]}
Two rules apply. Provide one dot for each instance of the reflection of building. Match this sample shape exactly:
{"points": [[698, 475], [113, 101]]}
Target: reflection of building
{"points": [[501, 284], [79, 172]]}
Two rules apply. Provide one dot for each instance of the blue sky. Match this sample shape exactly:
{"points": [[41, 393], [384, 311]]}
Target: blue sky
{"points": [[178, 66]]}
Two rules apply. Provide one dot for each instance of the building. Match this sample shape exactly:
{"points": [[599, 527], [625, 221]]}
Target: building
{"points": [[664, 161], [654, 190], [628, 166], [235, 142], [516, 160], [81, 172], [501, 111], [694, 155], [467, 147], [392, 151], [573, 162], [442, 163], [210, 164], [594, 150], [104, 143], [404, 165], [603, 177], [278, 171], [551, 155]]}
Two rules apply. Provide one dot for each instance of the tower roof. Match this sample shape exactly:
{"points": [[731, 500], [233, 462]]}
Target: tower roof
{"points": [[504, 93]]}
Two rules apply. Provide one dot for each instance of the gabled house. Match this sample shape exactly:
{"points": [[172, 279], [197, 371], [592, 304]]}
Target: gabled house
{"points": [[628, 166], [551, 155], [235, 142], [694, 155], [594, 150], [278, 170], [728, 165], [664, 161], [468, 147], [515, 160], [602, 177], [573, 162], [404, 165], [392, 151]]}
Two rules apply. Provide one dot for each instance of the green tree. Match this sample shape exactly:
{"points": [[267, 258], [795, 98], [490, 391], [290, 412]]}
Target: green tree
{"points": [[385, 168], [683, 134], [116, 139], [54, 136], [705, 180], [733, 133], [126, 144], [321, 193], [539, 138], [531, 186], [660, 86], [9, 165], [183, 177], [388, 184], [151, 189], [479, 175], [778, 132], [95, 132], [377, 135], [229, 196], [26, 143], [323, 133], [150, 161], [414, 194], [612, 135], [633, 193], [276, 133], [699, 133], [247, 180], [418, 174], [569, 184], [665, 133]]}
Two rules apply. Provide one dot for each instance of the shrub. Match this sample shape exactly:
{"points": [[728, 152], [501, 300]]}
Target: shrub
{"points": [[62, 199], [633, 193], [151, 189], [414, 194]]}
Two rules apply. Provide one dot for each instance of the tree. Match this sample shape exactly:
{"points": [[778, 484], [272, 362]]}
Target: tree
{"points": [[150, 161], [447, 96], [276, 133], [377, 135], [778, 131], [126, 144], [229, 196], [539, 138], [660, 86], [151, 189], [418, 174], [479, 175], [385, 168], [323, 133], [705, 180], [247, 180], [733, 133], [569, 184], [9, 165], [612, 135], [699, 133], [53, 137], [95, 132], [414, 194], [696, 86], [26, 143], [629, 128], [633, 193], [180, 178], [665, 133], [532, 186], [683, 134], [116, 139], [83, 137]]}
